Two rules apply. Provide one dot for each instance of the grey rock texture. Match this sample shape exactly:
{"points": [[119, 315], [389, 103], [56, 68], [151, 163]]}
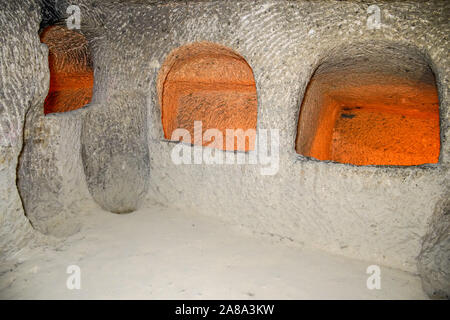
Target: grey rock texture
{"points": [[49, 174], [23, 86], [115, 152], [50, 179], [382, 214], [434, 258]]}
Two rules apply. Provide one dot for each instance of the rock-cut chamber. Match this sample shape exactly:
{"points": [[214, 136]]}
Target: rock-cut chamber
{"points": [[209, 83], [71, 75], [377, 106]]}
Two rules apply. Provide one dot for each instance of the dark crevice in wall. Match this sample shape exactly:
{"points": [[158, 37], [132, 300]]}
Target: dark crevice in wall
{"points": [[51, 15]]}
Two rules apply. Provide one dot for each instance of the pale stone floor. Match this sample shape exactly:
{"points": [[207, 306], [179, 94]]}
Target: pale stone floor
{"points": [[160, 253]]}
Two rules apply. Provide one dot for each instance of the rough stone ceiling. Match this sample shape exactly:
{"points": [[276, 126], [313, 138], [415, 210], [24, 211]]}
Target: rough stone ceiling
{"points": [[67, 48]]}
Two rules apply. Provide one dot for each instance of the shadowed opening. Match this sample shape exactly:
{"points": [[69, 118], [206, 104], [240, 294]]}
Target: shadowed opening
{"points": [[212, 84], [377, 106], [71, 75]]}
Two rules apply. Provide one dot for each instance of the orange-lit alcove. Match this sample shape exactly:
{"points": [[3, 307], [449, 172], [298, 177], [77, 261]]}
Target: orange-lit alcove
{"points": [[71, 75], [209, 83], [377, 106]]}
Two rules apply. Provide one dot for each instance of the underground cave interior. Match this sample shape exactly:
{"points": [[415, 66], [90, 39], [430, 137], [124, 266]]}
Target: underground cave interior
{"points": [[373, 107], [357, 109]]}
